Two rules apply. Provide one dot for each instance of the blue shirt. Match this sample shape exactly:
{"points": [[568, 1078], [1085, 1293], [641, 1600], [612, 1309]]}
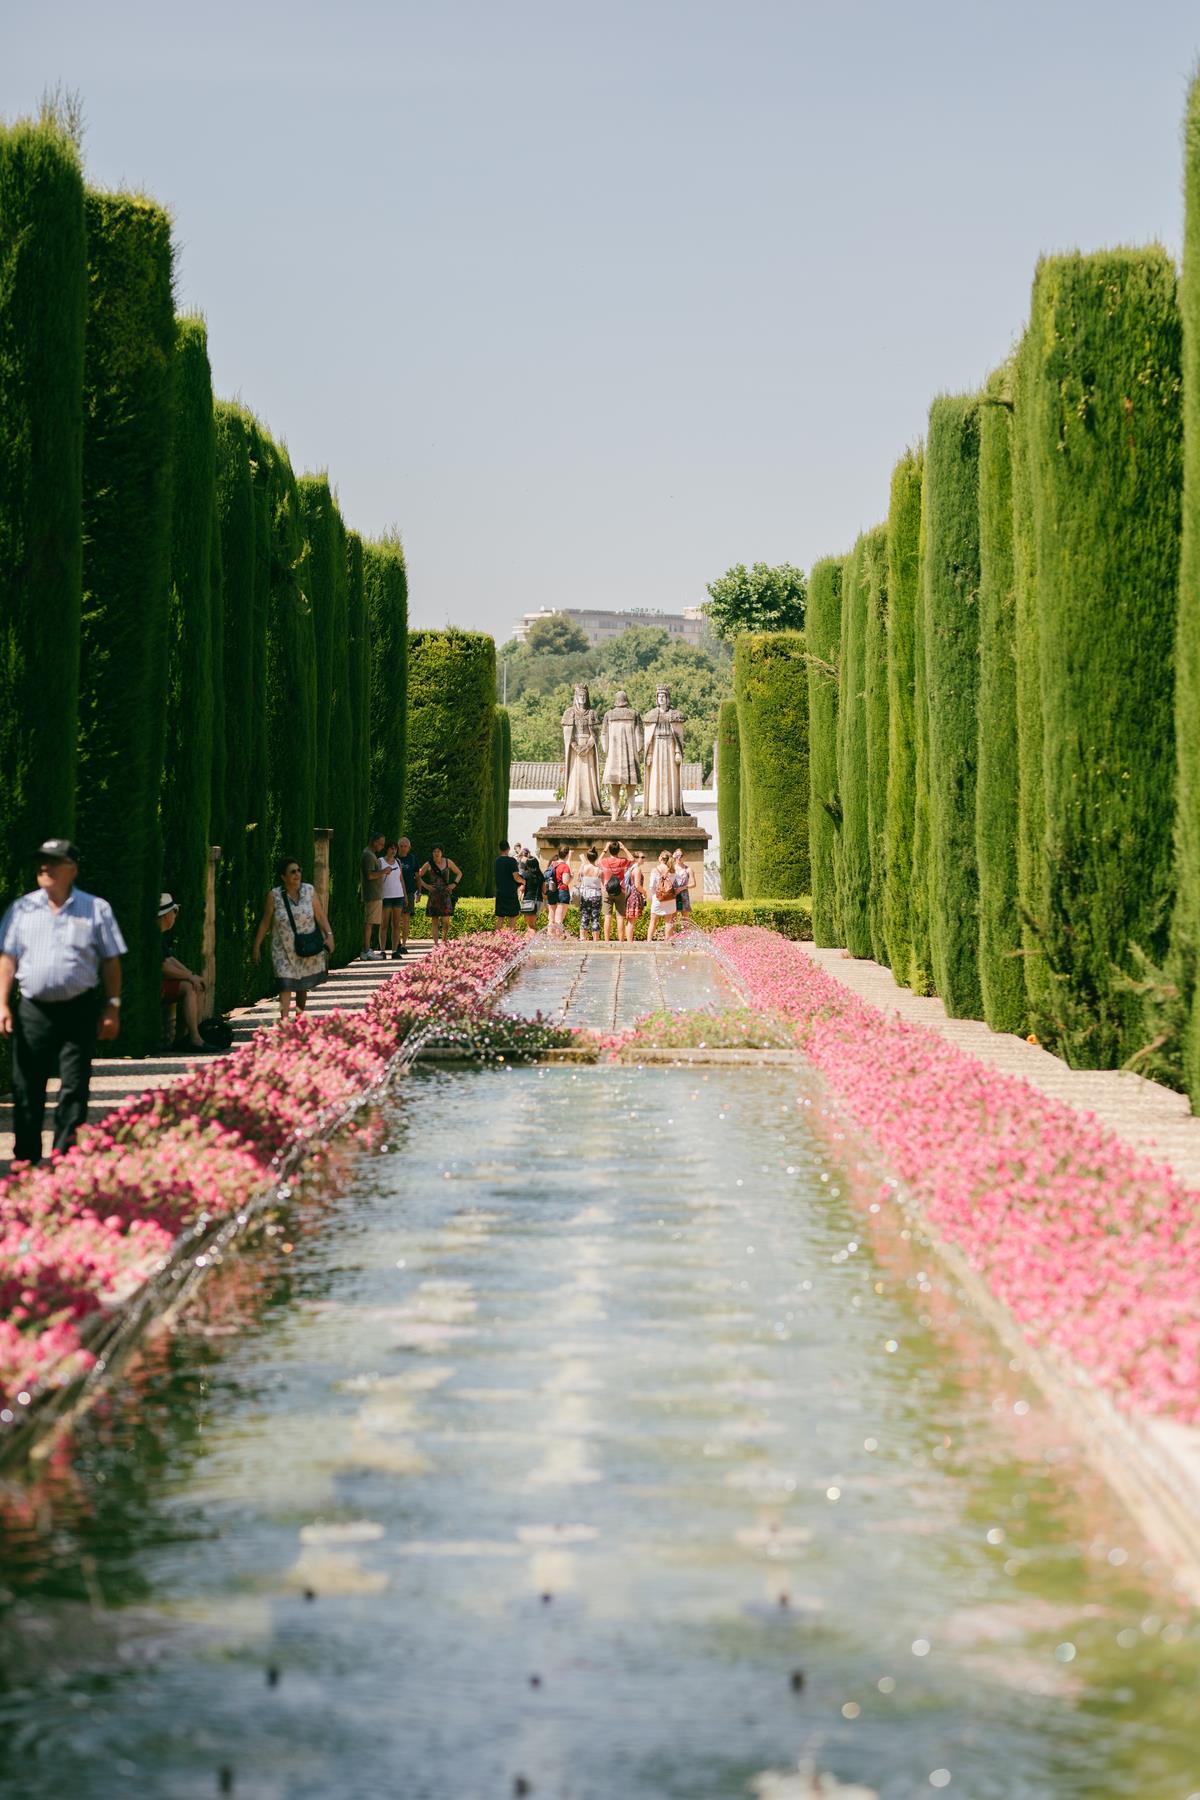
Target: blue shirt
{"points": [[58, 955]]}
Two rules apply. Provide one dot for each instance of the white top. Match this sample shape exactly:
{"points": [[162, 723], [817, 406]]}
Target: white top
{"points": [[393, 881]]}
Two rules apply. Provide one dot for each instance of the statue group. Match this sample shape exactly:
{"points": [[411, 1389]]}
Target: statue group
{"points": [[633, 744]]}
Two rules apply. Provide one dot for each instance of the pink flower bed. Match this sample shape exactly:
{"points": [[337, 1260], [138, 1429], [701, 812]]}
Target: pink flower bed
{"points": [[82, 1232], [1094, 1248]]}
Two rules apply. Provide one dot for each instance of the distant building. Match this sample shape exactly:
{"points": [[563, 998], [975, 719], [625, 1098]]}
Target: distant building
{"points": [[689, 625]]}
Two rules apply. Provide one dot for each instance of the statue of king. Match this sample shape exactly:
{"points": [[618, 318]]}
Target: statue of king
{"points": [[581, 781], [663, 727]]}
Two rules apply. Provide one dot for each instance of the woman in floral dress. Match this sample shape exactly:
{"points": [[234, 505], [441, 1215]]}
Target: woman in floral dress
{"points": [[438, 878], [295, 974]]}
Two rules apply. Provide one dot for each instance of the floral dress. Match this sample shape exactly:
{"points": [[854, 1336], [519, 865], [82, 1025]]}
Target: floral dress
{"points": [[298, 973]]}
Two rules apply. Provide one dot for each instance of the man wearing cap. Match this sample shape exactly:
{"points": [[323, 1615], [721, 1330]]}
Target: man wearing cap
{"points": [[180, 986], [58, 943]]}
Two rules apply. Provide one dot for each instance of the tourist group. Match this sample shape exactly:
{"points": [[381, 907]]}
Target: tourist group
{"points": [[615, 887]]}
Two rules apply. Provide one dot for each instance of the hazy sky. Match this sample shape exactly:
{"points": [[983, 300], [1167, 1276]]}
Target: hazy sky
{"points": [[593, 301]]}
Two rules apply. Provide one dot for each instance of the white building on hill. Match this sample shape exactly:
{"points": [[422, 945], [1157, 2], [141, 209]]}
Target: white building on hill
{"points": [[689, 625]]}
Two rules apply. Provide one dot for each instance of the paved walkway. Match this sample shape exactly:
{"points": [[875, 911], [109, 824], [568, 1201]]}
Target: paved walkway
{"points": [[114, 1079], [1140, 1111]]}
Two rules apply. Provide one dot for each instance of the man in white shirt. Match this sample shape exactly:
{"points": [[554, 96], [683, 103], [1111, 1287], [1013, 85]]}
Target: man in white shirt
{"points": [[57, 943]]}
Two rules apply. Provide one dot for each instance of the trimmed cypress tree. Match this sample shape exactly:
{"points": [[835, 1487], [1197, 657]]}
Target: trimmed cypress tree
{"points": [[128, 377], [921, 975], [1106, 437], [1001, 974], [43, 288], [334, 782], [904, 576], [451, 688], [952, 670], [234, 820], [324, 556], [187, 766], [729, 791], [258, 873], [875, 699], [1032, 903], [360, 691], [385, 585], [854, 862], [1185, 930], [501, 758], [770, 684], [823, 632], [291, 674]]}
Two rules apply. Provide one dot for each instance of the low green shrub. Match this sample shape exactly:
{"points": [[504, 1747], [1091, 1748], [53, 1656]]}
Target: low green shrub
{"points": [[790, 918]]}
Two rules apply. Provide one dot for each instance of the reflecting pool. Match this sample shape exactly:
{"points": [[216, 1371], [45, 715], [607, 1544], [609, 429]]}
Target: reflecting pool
{"points": [[589, 1437]]}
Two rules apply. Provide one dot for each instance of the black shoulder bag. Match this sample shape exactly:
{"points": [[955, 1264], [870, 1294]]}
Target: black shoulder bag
{"points": [[308, 943]]}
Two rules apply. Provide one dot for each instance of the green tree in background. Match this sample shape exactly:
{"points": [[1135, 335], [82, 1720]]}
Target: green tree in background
{"points": [[186, 793], [823, 634], [128, 384], [771, 687], [904, 591], [385, 586], [854, 854], [760, 598], [952, 674], [1185, 931], [729, 791], [291, 674], [43, 292], [451, 683], [556, 635], [875, 704], [1001, 974], [234, 820]]}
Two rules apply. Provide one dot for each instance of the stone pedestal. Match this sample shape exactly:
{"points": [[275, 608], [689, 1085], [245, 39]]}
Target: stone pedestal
{"points": [[677, 832]]}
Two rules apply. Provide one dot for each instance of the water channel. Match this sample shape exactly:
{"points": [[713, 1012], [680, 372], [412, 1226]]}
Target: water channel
{"points": [[590, 1437]]}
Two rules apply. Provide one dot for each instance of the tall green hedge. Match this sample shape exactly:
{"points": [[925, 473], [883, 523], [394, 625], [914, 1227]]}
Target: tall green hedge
{"points": [[823, 632], [360, 690], [1001, 971], [729, 791], [952, 669], [770, 684], [1106, 439], [43, 289], [186, 796], [323, 530], [1032, 903], [1185, 932], [854, 863], [234, 821], [501, 766], [385, 584], [291, 674], [451, 684], [128, 379], [875, 700], [334, 778], [921, 970], [904, 577]]}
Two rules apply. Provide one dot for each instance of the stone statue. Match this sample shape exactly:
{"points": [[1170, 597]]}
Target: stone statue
{"points": [[663, 728], [581, 781], [621, 741]]}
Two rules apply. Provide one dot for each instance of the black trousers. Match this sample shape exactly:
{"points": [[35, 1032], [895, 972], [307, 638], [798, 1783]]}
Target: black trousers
{"points": [[52, 1037]]}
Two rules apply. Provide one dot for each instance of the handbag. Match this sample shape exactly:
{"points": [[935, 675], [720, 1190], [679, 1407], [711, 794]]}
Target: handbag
{"points": [[308, 943]]}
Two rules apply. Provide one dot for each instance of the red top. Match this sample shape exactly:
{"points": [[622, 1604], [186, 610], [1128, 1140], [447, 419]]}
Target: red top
{"points": [[562, 873], [614, 865]]}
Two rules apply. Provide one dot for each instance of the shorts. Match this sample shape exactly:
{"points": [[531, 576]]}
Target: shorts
{"points": [[683, 902], [508, 912], [613, 903], [172, 987], [589, 913], [372, 912], [396, 903]]}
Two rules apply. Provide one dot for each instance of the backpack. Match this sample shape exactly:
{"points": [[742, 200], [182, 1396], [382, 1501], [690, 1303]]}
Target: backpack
{"points": [[613, 886]]}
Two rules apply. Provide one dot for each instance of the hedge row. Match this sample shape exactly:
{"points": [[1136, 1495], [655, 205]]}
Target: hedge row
{"points": [[451, 688], [193, 649], [904, 587], [770, 684], [791, 918], [729, 800], [1185, 935], [823, 633]]}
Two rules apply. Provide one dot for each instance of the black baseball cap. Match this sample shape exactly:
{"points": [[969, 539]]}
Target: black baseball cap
{"points": [[57, 850]]}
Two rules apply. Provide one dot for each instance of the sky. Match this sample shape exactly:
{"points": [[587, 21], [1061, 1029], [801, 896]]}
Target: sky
{"points": [[592, 302]]}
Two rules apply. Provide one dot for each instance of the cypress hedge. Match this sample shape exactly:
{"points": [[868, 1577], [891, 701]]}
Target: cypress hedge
{"points": [[823, 631], [1001, 972], [334, 778], [501, 762], [729, 790], [385, 585], [451, 688], [128, 378], [952, 670], [921, 975], [904, 577], [1032, 902], [291, 674], [1106, 441], [854, 862], [1185, 931], [875, 700], [324, 555], [233, 820], [186, 794], [43, 289], [770, 684], [360, 689], [258, 873]]}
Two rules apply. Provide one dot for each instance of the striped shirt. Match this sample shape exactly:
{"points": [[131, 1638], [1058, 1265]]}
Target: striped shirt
{"points": [[58, 955]]}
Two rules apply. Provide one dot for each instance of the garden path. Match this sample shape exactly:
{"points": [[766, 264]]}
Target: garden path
{"points": [[115, 1079]]}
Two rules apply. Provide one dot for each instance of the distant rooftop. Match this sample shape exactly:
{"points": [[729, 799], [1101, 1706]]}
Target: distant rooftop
{"points": [[689, 625]]}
